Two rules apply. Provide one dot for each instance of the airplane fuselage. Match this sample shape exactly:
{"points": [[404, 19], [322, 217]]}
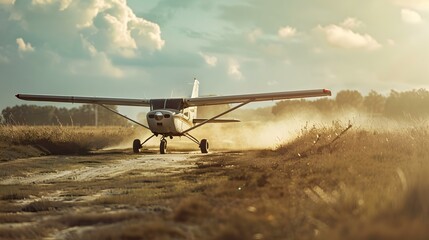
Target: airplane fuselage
{"points": [[168, 122]]}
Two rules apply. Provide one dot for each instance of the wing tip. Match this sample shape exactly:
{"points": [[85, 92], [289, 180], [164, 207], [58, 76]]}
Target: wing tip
{"points": [[327, 92]]}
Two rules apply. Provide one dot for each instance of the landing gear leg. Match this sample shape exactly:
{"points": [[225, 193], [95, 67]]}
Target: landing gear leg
{"points": [[163, 146]]}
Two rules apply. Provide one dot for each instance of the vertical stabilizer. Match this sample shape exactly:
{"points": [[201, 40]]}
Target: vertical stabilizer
{"points": [[193, 110], [195, 89]]}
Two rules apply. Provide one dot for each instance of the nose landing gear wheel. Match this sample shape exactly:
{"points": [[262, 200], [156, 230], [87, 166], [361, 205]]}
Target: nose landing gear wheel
{"points": [[136, 145], [204, 146], [163, 146]]}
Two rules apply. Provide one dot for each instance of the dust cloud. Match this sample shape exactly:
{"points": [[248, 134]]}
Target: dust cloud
{"points": [[261, 129], [273, 131]]}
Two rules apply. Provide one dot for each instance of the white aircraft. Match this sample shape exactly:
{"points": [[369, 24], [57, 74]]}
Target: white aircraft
{"points": [[176, 117]]}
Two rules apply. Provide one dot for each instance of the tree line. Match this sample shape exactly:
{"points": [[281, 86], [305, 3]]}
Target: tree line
{"points": [[84, 115], [412, 104]]}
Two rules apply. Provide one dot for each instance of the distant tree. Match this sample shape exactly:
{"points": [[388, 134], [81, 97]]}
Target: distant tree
{"points": [[49, 115], [349, 99], [28, 114], [374, 103], [322, 105], [288, 106], [407, 104], [83, 115], [107, 118], [325, 105], [62, 117]]}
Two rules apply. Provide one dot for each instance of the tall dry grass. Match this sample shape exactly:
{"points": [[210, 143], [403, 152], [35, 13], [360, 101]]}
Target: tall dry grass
{"points": [[62, 140], [372, 183]]}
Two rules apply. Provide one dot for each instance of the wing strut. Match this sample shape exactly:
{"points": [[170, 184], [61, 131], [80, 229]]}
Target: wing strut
{"points": [[129, 119], [217, 116]]}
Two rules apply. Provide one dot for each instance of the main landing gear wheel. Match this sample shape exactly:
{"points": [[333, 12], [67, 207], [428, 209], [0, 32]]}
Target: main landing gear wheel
{"points": [[204, 146], [163, 146], [136, 145]]}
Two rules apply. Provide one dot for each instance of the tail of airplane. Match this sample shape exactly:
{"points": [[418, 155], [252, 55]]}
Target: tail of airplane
{"points": [[195, 91]]}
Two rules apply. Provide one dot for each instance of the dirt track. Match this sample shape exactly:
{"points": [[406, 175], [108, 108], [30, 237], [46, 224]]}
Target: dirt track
{"points": [[147, 164], [69, 185]]}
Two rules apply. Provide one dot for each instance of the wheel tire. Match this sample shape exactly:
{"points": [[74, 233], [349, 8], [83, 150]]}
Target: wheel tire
{"points": [[136, 145], [163, 146], [204, 146]]}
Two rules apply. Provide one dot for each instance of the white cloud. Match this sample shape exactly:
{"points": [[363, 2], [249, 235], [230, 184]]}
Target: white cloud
{"points": [[24, 47], [210, 60], [286, 32], [41, 2], [410, 16], [63, 4], [419, 5], [391, 42], [346, 38], [110, 25], [83, 35], [234, 69], [351, 23], [114, 28], [7, 2], [254, 35]]}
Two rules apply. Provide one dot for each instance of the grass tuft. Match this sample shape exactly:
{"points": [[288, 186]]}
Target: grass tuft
{"points": [[24, 232], [44, 205], [94, 219], [153, 229], [190, 209], [14, 196]]}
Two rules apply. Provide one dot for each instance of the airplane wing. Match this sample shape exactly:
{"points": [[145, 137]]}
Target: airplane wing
{"points": [[90, 100], [204, 101], [189, 102]]}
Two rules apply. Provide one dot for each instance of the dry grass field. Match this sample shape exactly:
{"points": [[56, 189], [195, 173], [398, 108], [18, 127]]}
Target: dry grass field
{"points": [[333, 182], [30, 141]]}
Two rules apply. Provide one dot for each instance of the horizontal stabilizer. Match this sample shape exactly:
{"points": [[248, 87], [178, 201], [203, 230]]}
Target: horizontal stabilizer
{"points": [[224, 120]]}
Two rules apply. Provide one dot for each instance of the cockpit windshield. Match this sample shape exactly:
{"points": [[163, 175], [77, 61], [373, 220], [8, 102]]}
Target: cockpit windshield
{"points": [[170, 103]]}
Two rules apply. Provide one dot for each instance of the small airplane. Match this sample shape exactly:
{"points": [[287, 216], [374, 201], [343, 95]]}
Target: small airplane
{"points": [[176, 117]]}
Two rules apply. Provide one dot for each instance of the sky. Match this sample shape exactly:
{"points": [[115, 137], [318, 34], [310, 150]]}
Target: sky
{"points": [[154, 48]]}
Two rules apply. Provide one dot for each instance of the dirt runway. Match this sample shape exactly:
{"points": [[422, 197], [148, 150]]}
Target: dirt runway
{"points": [[41, 191], [93, 168]]}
